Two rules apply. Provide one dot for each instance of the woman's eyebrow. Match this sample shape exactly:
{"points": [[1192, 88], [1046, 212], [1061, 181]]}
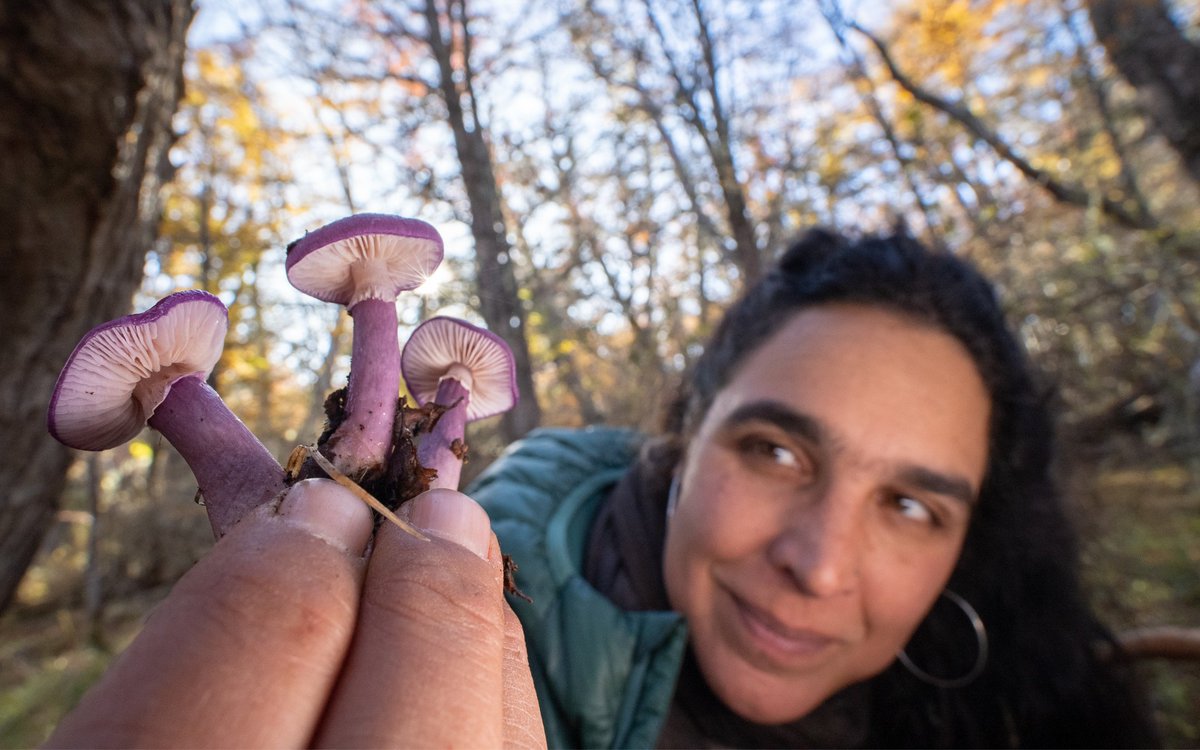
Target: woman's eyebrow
{"points": [[780, 415], [949, 485]]}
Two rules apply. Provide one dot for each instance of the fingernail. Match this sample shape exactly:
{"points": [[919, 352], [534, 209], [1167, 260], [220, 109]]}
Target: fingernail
{"points": [[328, 511], [453, 516]]}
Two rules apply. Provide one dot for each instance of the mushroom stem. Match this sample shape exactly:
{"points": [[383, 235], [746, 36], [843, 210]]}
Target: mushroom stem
{"points": [[235, 472], [361, 443], [436, 449]]}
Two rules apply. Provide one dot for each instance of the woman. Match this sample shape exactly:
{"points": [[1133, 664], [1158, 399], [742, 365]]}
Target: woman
{"points": [[847, 535]]}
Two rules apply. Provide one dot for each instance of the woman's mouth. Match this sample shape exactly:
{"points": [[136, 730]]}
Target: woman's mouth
{"points": [[776, 640]]}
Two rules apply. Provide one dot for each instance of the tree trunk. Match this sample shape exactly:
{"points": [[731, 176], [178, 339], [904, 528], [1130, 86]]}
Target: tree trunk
{"points": [[89, 88], [718, 138], [1155, 56], [496, 282]]}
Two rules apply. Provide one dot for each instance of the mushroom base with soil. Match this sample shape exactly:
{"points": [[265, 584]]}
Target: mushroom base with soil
{"points": [[402, 475]]}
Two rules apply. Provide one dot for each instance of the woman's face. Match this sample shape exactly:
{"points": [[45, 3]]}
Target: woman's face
{"points": [[823, 504]]}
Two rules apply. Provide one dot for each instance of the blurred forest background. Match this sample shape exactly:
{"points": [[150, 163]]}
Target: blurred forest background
{"points": [[607, 174]]}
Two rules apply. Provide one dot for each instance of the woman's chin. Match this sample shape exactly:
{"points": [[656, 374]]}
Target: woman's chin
{"points": [[763, 700], [771, 711]]}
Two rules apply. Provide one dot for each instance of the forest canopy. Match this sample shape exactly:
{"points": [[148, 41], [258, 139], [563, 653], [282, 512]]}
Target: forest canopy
{"points": [[627, 165]]}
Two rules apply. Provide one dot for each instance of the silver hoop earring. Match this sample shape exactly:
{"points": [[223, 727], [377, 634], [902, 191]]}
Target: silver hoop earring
{"points": [[673, 496], [980, 659]]}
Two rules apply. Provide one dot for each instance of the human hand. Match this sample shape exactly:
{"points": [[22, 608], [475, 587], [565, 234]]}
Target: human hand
{"points": [[287, 635]]}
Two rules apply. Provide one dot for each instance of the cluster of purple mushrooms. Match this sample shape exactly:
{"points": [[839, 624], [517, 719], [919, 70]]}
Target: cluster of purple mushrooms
{"points": [[151, 367]]}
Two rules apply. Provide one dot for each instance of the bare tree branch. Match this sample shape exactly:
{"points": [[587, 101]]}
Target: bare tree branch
{"points": [[866, 87], [1065, 193]]}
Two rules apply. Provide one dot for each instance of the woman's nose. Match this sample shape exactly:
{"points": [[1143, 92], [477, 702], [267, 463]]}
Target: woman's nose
{"points": [[821, 545]]}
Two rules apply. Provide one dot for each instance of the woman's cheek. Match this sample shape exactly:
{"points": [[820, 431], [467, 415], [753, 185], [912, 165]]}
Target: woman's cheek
{"points": [[720, 514]]}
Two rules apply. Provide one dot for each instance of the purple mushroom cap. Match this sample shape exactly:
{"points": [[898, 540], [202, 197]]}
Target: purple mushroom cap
{"points": [[122, 370], [447, 347], [365, 256]]}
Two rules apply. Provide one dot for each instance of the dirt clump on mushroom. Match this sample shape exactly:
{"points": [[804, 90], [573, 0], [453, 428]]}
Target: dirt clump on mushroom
{"points": [[403, 476]]}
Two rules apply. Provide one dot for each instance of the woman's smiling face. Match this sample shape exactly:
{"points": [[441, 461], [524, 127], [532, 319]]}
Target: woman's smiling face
{"points": [[823, 504]]}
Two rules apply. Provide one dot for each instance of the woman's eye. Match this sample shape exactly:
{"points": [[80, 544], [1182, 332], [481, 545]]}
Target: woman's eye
{"points": [[914, 509], [760, 448], [782, 456]]}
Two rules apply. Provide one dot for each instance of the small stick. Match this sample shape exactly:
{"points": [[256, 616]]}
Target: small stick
{"points": [[362, 494]]}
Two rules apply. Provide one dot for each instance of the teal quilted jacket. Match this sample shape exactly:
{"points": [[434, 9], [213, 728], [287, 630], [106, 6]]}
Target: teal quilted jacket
{"points": [[604, 676]]}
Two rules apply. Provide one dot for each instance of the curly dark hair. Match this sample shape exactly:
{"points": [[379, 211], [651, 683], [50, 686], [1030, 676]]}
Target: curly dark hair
{"points": [[1051, 679]]}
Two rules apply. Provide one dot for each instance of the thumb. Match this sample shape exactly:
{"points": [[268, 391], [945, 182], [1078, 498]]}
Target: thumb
{"points": [[431, 636]]}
